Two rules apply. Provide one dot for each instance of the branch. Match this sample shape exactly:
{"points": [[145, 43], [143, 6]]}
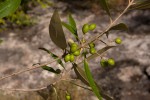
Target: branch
{"points": [[26, 70], [24, 90]]}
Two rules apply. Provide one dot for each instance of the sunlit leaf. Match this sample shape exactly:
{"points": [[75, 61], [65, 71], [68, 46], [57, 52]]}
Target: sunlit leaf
{"points": [[56, 32], [80, 74], [99, 52], [8, 7], [70, 28], [50, 69], [104, 5], [145, 4], [59, 61], [91, 80], [72, 22]]}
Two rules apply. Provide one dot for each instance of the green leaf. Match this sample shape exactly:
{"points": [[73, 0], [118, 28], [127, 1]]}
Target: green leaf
{"points": [[50, 69], [145, 4], [59, 61], [80, 74], [104, 5], [72, 22], [8, 7], [120, 26], [56, 32], [91, 80], [70, 28], [1, 41], [99, 52]]}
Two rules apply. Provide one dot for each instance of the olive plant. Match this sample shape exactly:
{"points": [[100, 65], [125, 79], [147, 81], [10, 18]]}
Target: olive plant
{"points": [[80, 48]]}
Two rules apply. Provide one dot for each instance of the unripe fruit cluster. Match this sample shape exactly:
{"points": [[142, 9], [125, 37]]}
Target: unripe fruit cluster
{"points": [[87, 28], [92, 48], [73, 52], [109, 62]]}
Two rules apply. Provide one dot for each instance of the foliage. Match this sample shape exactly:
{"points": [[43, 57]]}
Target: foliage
{"points": [[85, 49], [11, 16]]}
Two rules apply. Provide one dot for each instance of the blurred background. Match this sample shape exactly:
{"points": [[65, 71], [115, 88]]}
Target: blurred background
{"points": [[27, 29]]}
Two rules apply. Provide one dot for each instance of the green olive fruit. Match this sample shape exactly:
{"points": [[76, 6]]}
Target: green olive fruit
{"points": [[103, 63], [71, 58], [67, 58], [76, 53], [92, 45], [92, 50], [85, 28], [74, 45], [68, 97], [118, 41], [92, 27], [73, 49], [111, 62]]}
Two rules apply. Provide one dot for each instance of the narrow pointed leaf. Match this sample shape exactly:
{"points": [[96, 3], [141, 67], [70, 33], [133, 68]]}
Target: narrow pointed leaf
{"points": [[91, 80], [104, 5], [69, 27], [72, 22], [56, 32], [8, 7], [1, 41], [80, 74], [59, 61], [50, 69], [120, 26], [99, 52], [145, 4]]}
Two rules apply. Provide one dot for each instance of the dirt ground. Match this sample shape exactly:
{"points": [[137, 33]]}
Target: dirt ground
{"points": [[128, 80]]}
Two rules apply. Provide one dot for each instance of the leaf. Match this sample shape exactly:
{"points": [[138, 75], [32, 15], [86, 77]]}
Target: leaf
{"points": [[59, 61], [80, 74], [104, 5], [91, 80], [72, 22], [50, 69], [120, 26], [99, 52], [8, 7], [145, 4], [56, 32], [70, 28], [1, 41]]}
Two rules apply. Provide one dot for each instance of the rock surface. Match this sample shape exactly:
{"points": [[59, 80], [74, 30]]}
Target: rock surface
{"points": [[128, 80]]}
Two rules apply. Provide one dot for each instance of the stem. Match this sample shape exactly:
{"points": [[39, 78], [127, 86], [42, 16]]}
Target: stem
{"points": [[28, 69], [24, 90], [94, 38]]}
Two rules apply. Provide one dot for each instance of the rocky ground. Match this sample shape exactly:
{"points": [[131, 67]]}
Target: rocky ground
{"points": [[128, 80]]}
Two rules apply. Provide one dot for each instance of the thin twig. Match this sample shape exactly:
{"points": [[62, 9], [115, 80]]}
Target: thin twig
{"points": [[94, 38], [24, 90], [26, 70]]}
